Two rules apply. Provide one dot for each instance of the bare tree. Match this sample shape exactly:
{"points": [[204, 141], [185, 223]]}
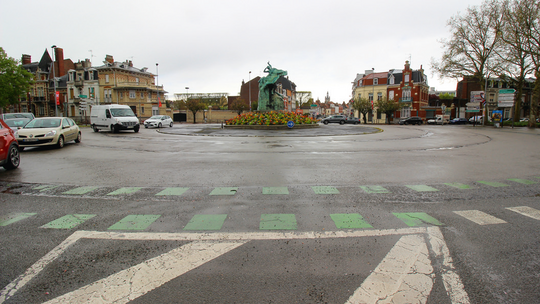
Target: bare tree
{"points": [[302, 97], [475, 36]]}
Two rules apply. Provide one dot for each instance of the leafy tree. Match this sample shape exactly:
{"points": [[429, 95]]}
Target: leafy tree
{"points": [[14, 80], [302, 97], [239, 105], [254, 105], [388, 107], [363, 106], [475, 37], [195, 105]]}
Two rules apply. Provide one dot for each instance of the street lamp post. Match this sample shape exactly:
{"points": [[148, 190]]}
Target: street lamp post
{"points": [[249, 82], [187, 93], [54, 82]]}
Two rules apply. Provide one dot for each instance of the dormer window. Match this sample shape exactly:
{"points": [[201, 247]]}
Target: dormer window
{"points": [[392, 79], [375, 81]]}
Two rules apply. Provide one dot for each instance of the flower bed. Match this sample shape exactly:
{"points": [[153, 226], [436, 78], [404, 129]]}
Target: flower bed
{"points": [[271, 118]]}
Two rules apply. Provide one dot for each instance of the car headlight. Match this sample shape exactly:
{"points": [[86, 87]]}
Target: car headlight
{"points": [[51, 133]]}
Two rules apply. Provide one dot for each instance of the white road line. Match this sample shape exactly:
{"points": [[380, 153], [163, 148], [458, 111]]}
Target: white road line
{"points": [[479, 217], [451, 281], [129, 284], [207, 246], [527, 211], [35, 269], [405, 275]]}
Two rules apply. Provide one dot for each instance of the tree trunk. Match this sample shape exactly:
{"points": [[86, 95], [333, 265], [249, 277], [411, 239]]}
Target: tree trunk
{"points": [[534, 101]]}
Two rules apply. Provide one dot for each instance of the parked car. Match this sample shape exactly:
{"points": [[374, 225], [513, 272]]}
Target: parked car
{"points": [[353, 120], [439, 120], [48, 131], [158, 121], [458, 121], [414, 120], [16, 123], [340, 119], [5, 116], [477, 119], [9, 147]]}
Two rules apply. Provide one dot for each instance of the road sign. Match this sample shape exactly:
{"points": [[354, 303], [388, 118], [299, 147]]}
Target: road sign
{"points": [[506, 98], [57, 96], [83, 96], [290, 124]]}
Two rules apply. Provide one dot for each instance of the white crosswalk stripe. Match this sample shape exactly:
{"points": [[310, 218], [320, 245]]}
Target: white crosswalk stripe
{"points": [[526, 211], [479, 217]]}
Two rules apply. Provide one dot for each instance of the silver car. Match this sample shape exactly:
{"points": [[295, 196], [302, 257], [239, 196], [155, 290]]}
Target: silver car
{"points": [[158, 121]]}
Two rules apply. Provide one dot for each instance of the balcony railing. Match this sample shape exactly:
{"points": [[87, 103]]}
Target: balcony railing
{"points": [[406, 99]]}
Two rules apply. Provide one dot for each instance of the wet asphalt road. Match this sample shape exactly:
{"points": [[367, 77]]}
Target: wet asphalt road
{"points": [[323, 172]]}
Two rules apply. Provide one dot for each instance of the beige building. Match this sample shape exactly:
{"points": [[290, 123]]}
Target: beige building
{"points": [[373, 87], [121, 83]]}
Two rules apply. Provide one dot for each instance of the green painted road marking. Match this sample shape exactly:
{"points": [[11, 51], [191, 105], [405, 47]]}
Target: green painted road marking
{"points": [[374, 189], [522, 181], [125, 190], [68, 221], [173, 191], [493, 184], [421, 188], [275, 190], [45, 187], [414, 219], [325, 190], [349, 221], [458, 185], [15, 217], [206, 222], [224, 191], [278, 222], [135, 222], [81, 190]]}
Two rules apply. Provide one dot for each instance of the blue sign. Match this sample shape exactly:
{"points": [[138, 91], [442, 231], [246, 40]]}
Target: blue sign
{"points": [[290, 124]]}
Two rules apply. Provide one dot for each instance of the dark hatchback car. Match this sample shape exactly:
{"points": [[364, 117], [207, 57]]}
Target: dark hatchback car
{"points": [[340, 119], [459, 121], [414, 120]]}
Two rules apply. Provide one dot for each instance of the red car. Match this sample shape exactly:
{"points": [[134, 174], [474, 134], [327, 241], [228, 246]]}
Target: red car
{"points": [[9, 147]]}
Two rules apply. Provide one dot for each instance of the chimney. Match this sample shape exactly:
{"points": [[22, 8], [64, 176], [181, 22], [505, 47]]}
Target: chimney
{"points": [[26, 59], [59, 63], [109, 58]]}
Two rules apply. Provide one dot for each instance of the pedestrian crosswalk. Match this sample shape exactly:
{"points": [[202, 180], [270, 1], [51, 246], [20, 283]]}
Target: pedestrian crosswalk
{"points": [[283, 190], [215, 222]]}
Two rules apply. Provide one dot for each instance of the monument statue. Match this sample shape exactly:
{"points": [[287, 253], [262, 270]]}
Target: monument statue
{"points": [[269, 99]]}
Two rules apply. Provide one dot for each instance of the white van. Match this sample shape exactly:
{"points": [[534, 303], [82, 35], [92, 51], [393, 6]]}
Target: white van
{"points": [[114, 118]]}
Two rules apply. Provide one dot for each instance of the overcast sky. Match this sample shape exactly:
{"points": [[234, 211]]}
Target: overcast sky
{"points": [[212, 45]]}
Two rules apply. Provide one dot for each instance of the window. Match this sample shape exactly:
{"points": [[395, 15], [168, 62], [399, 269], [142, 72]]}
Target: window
{"points": [[392, 79], [155, 111], [41, 110], [106, 78], [121, 94], [406, 94], [142, 95], [91, 92], [407, 77], [132, 94], [391, 95], [142, 110], [405, 112], [379, 96], [378, 114], [40, 92], [71, 93], [137, 79], [370, 97], [375, 81]]}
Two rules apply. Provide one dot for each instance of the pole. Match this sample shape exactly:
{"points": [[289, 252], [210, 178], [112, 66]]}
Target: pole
{"points": [[249, 82], [54, 82]]}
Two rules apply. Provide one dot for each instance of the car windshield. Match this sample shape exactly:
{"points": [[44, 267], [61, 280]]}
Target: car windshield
{"points": [[122, 112], [155, 117], [17, 122], [43, 123], [18, 115]]}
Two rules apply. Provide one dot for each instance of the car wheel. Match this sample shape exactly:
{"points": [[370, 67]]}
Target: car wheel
{"points": [[405, 123], [113, 129], [79, 138], [13, 159], [170, 125], [325, 122], [356, 122], [341, 122], [60, 143], [159, 125], [95, 129], [136, 129], [146, 126]]}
